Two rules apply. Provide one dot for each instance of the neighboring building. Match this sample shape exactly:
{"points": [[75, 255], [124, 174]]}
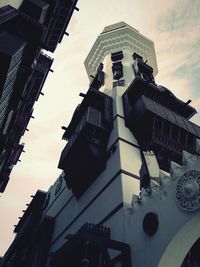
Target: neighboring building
{"points": [[30, 247], [129, 193], [36, 25]]}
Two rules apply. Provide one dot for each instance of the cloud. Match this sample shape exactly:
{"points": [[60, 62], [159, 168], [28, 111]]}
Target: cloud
{"points": [[181, 18], [178, 48]]}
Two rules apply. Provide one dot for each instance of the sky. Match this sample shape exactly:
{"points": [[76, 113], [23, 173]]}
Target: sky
{"points": [[173, 25]]}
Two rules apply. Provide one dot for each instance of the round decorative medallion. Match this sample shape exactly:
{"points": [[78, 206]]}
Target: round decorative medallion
{"points": [[188, 191]]}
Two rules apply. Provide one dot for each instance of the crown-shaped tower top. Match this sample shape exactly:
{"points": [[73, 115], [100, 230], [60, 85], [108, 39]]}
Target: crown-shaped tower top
{"points": [[120, 37]]}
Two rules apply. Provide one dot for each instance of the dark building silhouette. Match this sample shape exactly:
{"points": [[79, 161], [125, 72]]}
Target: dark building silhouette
{"points": [[29, 241], [36, 25]]}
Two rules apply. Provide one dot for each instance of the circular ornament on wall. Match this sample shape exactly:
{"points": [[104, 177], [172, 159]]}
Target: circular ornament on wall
{"points": [[188, 191]]}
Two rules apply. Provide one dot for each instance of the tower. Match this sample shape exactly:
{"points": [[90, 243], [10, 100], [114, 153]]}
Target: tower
{"points": [[129, 191]]}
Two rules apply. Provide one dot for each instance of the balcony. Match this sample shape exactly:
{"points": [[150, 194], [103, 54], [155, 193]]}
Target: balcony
{"points": [[84, 156], [160, 129], [32, 215], [58, 19], [159, 94]]}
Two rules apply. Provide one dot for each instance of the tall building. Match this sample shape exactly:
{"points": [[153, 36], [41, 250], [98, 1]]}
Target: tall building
{"points": [[129, 191], [24, 35]]}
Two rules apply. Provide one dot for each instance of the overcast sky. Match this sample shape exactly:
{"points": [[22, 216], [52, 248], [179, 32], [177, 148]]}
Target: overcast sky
{"points": [[173, 25]]}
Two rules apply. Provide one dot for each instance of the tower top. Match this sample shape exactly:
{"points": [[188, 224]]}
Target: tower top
{"points": [[117, 26], [116, 37]]}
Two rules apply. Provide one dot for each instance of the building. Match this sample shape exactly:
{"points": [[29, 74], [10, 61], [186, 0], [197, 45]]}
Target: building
{"points": [[129, 191], [24, 35]]}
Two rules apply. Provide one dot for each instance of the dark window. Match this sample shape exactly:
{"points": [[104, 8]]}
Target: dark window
{"points": [[150, 223], [141, 69], [117, 69], [99, 78], [137, 56], [119, 83], [117, 56]]}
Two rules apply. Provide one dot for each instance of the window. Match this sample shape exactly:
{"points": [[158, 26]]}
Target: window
{"points": [[117, 69], [117, 56], [119, 83]]}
